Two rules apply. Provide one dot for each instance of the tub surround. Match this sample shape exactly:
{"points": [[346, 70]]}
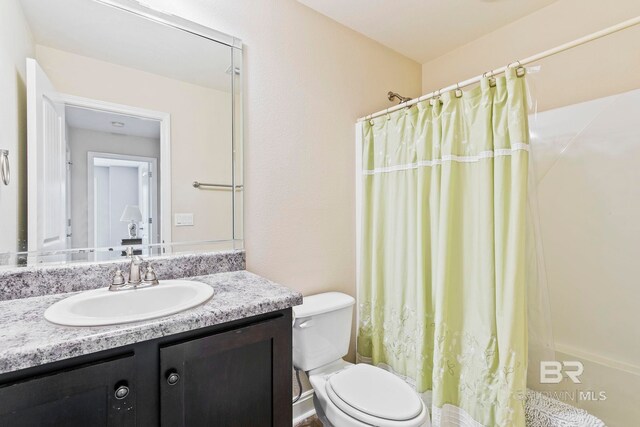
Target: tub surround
{"points": [[29, 340], [25, 282]]}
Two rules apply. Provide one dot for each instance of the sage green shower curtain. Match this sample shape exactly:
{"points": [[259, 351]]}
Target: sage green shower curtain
{"points": [[442, 286]]}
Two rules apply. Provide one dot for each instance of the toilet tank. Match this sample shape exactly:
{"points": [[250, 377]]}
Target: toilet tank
{"points": [[321, 329]]}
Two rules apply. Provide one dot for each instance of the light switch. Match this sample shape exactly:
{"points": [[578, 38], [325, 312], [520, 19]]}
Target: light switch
{"points": [[184, 219]]}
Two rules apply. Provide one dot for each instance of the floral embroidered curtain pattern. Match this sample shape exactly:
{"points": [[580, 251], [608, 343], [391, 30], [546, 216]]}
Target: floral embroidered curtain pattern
{"points": [[442, 280]]}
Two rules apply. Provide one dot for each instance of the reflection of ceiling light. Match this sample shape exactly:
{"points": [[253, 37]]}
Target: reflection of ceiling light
{"points": [[117, 124]]}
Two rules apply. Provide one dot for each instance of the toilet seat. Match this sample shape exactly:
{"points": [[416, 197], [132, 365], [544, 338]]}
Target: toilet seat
{"points": [[374, 396]]}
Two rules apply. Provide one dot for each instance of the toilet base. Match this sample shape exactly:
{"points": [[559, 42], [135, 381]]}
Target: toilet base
{"points": [[320, 413]]}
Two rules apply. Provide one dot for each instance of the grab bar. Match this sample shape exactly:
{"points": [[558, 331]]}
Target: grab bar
{"points": [[197, 184]]}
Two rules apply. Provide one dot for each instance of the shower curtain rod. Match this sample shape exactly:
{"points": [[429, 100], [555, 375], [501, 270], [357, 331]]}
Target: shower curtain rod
{"points": [[563, 47]]}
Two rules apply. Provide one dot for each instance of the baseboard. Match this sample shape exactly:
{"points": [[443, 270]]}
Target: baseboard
{"points": [[600, 360], [303, 408]]}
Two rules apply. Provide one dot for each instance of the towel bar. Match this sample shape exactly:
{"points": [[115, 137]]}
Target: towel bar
{"points": [[197, 184]]}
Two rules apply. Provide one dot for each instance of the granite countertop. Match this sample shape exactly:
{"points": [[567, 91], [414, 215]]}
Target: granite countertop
{"points": [[27, 339]]}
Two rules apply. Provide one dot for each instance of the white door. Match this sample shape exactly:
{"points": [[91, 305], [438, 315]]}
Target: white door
{"points": [[144, 197], [46, 163], [68, 191], [148, 188]]}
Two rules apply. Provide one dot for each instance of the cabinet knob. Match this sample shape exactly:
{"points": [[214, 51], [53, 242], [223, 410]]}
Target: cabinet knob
{"points": [[173, 377], [122, 392]]}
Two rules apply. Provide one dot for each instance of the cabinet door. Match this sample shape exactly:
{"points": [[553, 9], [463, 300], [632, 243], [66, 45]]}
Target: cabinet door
{"points": [[85, 396], [240, 378]]}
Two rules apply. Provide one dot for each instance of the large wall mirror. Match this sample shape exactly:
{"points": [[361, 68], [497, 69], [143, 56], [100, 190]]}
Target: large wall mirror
{"points": [[120, 126]]}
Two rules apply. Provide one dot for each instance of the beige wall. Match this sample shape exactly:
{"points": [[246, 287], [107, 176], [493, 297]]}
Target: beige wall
{"points": [[307, 79], [600, 68], [200, 131], [16, 44], [587, 199]]}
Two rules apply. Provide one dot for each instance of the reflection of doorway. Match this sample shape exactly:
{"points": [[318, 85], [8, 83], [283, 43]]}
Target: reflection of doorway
{"points": [[61, 126], [115, 181], [94, 134], [120, 134]]}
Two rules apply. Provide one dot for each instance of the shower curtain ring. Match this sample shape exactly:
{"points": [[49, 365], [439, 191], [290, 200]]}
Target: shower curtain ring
{"points": [[436, 95], [520, 70], [458, 91], [492, 80]]}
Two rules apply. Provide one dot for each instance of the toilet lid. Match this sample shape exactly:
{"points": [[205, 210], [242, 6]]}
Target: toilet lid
{"points": [[375, 392]]}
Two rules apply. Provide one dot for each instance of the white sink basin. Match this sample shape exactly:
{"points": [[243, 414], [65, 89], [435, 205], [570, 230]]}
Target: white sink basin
{"points": [[104, 307]]}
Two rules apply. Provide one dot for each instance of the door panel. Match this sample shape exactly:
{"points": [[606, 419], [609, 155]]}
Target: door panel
{"points": [[238, 390], [46, 163], [84, 396], [239, 378]]}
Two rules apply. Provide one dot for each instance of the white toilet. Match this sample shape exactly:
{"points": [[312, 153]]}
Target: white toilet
{"points": [[348, 395]]}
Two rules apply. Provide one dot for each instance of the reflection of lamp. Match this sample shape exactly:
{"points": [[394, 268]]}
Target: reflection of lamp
{"points": [[133, 214]]}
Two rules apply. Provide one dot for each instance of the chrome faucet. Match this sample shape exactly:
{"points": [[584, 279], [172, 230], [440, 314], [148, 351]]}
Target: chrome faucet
{"points": [[135, 279], [134, 268]]}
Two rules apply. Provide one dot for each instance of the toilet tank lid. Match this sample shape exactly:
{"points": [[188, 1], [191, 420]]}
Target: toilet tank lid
{"points": [[322, 303]]}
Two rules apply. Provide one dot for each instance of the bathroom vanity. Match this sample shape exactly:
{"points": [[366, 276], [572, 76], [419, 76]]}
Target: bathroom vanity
{"points": [[224, 363]]}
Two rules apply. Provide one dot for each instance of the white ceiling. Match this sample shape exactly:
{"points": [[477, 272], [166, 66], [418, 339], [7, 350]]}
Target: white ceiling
{"points": [[425, 29], [102, 32], [102, 121]]}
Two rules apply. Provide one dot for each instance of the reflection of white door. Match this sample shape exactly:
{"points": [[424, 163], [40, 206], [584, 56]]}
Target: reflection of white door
{"points": [[46, 163], [68, 193], [148, 202], [115, 181]]}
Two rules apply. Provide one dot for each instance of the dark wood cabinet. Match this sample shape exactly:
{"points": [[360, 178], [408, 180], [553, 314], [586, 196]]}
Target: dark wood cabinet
{"points": [[230, 379], [85, 396], [235, 374]]}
